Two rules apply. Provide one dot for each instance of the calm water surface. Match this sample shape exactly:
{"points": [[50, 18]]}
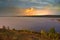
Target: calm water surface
{"points": [[30, 23]]}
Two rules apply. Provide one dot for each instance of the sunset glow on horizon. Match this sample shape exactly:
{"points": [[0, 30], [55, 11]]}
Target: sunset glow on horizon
{"points": [[32, 12]]}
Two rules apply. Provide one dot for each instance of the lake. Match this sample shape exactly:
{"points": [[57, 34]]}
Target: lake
{"points": [[30, 23]]}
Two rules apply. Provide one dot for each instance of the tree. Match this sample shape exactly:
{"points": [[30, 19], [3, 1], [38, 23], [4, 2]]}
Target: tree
{"points": [[43, 33], [52, 30], [52, 33], [4, 28]]}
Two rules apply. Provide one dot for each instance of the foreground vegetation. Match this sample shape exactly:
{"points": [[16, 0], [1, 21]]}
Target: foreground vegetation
{"points": [[8, 34]]}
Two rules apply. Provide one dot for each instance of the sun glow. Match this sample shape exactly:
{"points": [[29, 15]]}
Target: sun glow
{"points": [[32, 12]]}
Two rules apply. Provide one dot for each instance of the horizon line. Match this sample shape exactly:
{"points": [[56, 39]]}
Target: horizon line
{"points": [[34, 16]]}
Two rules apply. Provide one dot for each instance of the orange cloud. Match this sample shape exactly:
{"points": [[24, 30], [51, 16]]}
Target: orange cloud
{"points": [[32, 11]]}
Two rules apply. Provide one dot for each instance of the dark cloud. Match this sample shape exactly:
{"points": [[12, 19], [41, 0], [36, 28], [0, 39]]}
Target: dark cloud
{"points": [[27, 3], [9, 11], [11, 7]]}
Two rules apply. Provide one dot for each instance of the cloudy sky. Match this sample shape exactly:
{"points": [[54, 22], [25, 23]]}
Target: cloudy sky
{"points": [[18, 7]]}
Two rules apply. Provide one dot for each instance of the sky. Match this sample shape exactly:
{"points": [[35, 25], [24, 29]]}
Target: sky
{"points": [[37, 7]]}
